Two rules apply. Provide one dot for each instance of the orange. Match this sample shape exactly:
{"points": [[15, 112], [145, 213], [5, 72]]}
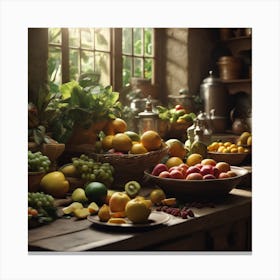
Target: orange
{"points": [[193, 159], [138, 148], [176, 148], [173, 161], [121, 142], [151, 140], [107, 142], [117, 125]]}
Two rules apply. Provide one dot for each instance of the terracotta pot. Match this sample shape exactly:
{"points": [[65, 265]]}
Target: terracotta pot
{"points": [[89, 135], [34, 180]]}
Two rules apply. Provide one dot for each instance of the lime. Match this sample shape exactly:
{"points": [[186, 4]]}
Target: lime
{"points": [[133, 135], [96, 192]]}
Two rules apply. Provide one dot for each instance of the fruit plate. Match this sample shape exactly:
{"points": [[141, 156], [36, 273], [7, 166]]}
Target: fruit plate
{"points": [[230, 158], [190, 188], [155, 219]]}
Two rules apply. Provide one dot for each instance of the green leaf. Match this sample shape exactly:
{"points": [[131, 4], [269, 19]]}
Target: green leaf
{"points": [[66, 89]]}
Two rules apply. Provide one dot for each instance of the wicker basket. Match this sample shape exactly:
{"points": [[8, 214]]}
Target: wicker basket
{"points": [[131, 166]]}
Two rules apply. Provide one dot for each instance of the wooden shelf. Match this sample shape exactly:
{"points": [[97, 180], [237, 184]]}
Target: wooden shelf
{"points": [[238, 38], [238, 81], [235, 86]]}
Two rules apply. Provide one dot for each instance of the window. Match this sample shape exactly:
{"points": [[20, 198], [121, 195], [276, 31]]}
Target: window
{"points": [[137, 53], [73, 51]]}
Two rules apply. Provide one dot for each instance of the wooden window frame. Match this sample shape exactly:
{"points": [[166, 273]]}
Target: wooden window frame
{"points": [[115, 53]]}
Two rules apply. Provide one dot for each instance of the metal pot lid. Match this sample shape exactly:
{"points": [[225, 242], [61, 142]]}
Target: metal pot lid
{"points": [[211, 80]]}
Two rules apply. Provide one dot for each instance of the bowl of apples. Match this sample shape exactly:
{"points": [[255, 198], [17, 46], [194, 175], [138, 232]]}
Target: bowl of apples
{"points": [[207, 178]]}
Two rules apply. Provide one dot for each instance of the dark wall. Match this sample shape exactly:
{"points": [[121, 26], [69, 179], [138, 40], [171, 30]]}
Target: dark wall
{"points": [[37, 61]]}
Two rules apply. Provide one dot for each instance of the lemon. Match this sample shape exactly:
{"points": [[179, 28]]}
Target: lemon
{"points": [[193, 159], [55, 184], [173, 161]]}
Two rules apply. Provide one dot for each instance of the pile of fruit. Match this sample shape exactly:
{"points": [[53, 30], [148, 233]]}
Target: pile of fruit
{"points": [[118, 140], [41, 209], [242, 145], [195, 168], [110, 206], [178, 114]]}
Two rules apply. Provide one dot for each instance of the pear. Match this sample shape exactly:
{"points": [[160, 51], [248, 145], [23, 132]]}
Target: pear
{"points": [[79, 195], [198, 147], [104, 213]]}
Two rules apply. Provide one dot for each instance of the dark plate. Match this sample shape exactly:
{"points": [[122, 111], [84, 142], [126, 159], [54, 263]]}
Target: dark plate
{"points": [[155, 219]]}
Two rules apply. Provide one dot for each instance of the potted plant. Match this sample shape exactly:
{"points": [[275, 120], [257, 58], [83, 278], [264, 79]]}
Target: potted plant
{"points": [[84, 108], [40, 115]]}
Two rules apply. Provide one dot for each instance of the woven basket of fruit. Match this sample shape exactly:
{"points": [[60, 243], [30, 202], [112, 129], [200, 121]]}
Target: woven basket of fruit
{"points": [[231, 158], [132, 166]]}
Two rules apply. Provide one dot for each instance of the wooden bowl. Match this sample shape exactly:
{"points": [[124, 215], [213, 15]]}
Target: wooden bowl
{"points": [[34, 179], [202, 188], [230, 158]]}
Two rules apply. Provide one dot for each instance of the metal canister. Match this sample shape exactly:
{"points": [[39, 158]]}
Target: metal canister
{"points": [[215, 96]]}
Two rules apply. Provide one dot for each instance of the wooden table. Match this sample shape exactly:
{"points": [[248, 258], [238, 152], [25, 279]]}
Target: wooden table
{"points": [[225, 227]]}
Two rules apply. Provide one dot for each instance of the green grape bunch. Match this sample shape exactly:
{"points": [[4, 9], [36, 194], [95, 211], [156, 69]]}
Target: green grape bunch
{"points": [[38, 162], [91, 170], [44, 204]]}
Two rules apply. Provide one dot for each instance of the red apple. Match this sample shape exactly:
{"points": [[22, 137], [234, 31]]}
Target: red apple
{"points": [[206, 169], [198, 165], [184, 166], [176, 174], [192, 169], [164, 174], [223, 175], [209, 177], [159, 168], [194, 176], [216, 172]]}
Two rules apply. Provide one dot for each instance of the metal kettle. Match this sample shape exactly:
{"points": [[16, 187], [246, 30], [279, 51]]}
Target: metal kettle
{"points": [[214, 95]]}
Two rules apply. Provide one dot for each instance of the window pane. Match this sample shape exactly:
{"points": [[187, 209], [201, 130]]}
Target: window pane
{"points": [[102, 66], [74, 61], [127, 69], [127, 40], [87, 61], [54, 65], [102, 39], [138, 42], [55, 35], [148, 41], [138, 67], [74, 37], [148, 67], [87, 38]]}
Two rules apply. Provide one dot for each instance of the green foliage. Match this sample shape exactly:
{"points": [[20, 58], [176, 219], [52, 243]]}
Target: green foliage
{"points": [[83, 106]]}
